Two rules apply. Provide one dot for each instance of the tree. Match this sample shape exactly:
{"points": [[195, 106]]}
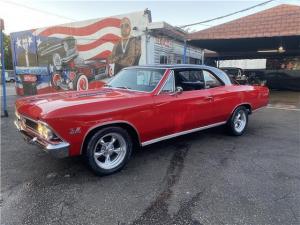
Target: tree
{"points": [[7, 53]]}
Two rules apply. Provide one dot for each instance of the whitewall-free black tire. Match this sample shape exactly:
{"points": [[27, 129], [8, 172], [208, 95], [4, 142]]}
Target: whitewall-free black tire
{"points": [[108, 150]]}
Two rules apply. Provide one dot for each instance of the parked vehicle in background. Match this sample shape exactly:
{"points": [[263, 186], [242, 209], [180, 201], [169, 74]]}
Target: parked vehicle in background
{"points": [[283, 81], [141, 105], [9, 76], [236, 74], [275, 79], [278, 73]]}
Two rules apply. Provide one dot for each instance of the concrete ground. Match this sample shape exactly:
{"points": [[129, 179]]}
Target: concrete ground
{"points": [[10, 89], [203, 178]]}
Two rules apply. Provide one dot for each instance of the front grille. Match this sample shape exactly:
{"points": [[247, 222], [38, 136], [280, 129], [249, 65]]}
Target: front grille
{"points": [[30, 128], [31, 124]]}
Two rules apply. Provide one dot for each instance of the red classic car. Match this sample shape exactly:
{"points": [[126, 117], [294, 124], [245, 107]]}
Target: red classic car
{"points": [[141, 105]]}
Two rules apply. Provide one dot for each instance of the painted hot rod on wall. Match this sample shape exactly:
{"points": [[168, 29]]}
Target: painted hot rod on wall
{"points": [[68, 71], [141, 105]]}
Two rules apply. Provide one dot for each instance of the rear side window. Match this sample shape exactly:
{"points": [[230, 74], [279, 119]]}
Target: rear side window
{"points": [[210, 80]]}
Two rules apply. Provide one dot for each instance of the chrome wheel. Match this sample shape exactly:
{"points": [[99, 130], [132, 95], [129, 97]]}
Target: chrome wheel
{"points": [[110, 150], [240, 121], [82, 83]]}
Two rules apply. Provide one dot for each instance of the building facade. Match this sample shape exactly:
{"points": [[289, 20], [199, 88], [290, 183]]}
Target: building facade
{"points": [[81, 55]]}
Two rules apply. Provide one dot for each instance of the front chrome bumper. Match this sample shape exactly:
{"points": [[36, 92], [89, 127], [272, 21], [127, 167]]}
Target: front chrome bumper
{"points": [[60, 150]]}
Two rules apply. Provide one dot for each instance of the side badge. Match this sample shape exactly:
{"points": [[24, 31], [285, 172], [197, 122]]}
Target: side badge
{"points": [[76, 130]]}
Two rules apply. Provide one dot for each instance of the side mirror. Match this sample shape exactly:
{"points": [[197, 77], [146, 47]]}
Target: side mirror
{"points": [[178, 90]]}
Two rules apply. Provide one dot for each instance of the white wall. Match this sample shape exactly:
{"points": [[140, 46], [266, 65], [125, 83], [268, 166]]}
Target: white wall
{"points": [[171, 49], [244, 63]]}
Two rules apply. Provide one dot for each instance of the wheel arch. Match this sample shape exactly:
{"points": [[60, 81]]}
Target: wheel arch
{"points": [[130, 128], [246, 104]]}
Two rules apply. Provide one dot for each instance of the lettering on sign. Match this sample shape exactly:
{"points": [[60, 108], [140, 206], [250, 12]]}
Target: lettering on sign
{"points": [[165, 42], [29, 78]]}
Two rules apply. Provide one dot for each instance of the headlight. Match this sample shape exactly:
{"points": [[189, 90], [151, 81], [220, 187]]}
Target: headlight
{"points": [[17, 115], [45, 131]]}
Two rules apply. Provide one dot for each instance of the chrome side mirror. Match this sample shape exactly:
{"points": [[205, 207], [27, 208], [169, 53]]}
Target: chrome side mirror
{"points": [[178, 90]]}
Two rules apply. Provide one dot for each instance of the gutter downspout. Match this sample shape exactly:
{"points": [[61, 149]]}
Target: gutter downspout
{"points": [[184, 52]]}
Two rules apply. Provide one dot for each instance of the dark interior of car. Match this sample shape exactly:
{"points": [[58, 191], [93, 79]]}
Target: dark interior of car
{"points": [[189, 80]]}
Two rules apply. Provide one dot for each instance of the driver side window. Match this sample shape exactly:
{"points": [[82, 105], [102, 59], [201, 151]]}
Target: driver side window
{"points": [[189, 79]]}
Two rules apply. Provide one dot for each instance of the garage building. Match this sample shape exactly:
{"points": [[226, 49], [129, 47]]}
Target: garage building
{"points": [[266, 44]]}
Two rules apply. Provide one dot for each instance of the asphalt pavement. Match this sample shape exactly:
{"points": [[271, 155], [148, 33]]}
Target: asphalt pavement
{"points": [[202, 178]]}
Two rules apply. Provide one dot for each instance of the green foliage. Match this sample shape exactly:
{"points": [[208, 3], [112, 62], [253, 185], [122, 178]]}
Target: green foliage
{"points": [[7, 53]]}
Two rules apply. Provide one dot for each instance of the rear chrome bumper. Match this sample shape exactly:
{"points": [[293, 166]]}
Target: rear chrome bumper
{"points": [[60, 150]]}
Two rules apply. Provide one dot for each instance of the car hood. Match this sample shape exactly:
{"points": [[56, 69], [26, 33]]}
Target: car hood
{"points": [[39, 106]]}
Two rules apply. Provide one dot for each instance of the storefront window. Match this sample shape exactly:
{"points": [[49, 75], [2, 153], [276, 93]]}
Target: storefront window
{"points": [[163, 59], [194, 61]]}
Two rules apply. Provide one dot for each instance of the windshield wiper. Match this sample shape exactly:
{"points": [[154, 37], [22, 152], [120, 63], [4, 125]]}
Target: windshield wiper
{"points": [[124, 87]]}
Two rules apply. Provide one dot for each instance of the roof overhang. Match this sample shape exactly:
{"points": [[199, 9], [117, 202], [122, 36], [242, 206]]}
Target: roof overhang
{"points": [[250, 47], [165, 29], [275, 31]]}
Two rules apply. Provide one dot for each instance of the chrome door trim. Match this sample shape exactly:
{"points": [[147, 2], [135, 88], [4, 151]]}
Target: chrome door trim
{"points": [[171, 73], [181, 133]]}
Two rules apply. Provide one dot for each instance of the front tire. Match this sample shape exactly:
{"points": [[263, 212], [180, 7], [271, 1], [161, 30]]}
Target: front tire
{"points": [[108, 150], [238, 122]]}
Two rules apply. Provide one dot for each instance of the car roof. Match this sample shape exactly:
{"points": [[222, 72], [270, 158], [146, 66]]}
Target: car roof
{"points": [[172, 66], [221, 74], [229, 68]]}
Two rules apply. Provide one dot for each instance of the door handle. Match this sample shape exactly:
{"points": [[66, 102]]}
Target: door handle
{"points": [[209, 98]]}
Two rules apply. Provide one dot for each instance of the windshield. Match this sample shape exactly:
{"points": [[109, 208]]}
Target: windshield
{"points": [[138, 79]]}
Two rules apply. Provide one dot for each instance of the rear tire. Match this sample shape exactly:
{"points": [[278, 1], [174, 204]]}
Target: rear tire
{"points": [[108, 150], [81, 82], [238, 121]]}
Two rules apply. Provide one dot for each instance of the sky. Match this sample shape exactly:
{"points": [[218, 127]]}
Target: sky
{"points": [[24, 15]]}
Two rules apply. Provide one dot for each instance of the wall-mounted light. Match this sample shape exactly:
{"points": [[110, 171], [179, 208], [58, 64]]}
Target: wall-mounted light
{"points": [[279, 50]]}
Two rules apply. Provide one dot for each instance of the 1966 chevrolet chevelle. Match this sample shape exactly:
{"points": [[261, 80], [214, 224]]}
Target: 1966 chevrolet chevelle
{"points": [[141, 105]]}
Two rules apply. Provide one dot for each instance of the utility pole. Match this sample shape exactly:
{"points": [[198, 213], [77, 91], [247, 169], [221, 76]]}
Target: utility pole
{"points": [[4, 103]]}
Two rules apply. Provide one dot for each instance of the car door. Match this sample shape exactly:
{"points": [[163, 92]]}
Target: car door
{"points": [[225, 98], [165, 109], [196, 99], [185, 110]]}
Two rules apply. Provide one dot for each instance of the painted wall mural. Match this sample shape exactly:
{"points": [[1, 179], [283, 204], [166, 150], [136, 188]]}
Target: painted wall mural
{"points": [[77, 56]]}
